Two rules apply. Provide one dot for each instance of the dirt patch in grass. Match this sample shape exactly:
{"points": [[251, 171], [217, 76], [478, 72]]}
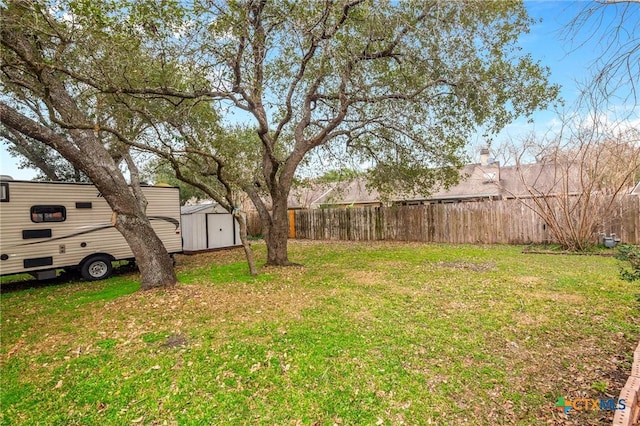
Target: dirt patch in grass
{"points": [[572, 299], [175, 340], [366, 278], [527, 280], [527, 320], [469, 266]]}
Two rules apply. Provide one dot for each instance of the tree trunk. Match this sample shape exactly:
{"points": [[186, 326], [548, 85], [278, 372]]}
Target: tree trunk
{"points": [[155, 264], [242, 224], [277, 234]]}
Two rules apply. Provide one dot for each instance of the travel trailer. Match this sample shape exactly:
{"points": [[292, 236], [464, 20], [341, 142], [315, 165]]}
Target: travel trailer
{"points": [[45, 226]]}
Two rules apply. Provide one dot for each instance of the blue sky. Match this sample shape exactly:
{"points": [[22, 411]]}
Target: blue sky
{"points": [[570, 61], [571, 55]]}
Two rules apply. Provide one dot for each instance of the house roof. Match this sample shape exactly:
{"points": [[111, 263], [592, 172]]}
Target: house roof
{"points": [[477, 181], [307, 196], [351, 192], [493, 180], [538, 179]]}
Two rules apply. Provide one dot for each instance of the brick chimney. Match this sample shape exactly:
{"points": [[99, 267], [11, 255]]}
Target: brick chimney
{"points": [[484, 156]]}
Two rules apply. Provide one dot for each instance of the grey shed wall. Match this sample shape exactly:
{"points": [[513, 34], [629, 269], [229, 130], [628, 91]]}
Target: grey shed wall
{"points": [[208, 227]]}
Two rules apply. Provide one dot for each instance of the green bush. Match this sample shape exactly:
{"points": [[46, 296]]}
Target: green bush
{"points": [[631, 254]]}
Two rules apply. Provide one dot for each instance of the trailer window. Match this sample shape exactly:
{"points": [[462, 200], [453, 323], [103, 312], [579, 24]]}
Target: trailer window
{"points": [[4, 192], [48, 214]]}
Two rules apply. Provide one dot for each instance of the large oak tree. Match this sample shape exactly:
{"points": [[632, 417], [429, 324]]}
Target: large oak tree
{"points": [[43, 104]]}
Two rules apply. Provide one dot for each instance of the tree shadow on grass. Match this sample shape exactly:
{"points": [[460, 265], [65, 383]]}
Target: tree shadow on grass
{"points": [[21, 282]]}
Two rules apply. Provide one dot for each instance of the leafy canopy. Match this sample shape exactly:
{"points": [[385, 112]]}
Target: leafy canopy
{"points": [[398, 86]]}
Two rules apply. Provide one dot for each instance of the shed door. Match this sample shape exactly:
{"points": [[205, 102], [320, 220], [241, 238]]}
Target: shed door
{"points": [[221, 230]]}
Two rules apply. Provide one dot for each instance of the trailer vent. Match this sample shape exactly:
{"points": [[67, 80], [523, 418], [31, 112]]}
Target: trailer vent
{"points": [[84, 205], [37, 262], [36, 233]]}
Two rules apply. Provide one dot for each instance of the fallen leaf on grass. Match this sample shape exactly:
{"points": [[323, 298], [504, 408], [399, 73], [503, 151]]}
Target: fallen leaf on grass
{"points": [[15, 348], [155, 367]]}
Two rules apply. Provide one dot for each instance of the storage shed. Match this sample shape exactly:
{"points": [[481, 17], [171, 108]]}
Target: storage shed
{"points": [[207, 227]]}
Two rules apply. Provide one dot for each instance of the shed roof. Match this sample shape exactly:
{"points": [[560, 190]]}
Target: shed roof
{"points": [[202, 208]]}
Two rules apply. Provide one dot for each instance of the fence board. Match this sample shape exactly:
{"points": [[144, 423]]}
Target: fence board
{"points": [[254, 225]]}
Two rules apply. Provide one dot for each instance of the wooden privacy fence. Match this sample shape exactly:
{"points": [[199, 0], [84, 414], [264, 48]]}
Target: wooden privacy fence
{"points": [[507, 222], [254, 225]]}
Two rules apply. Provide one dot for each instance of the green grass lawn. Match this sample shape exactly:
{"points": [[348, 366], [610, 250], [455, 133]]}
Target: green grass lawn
{"points": [[384, 333]]}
